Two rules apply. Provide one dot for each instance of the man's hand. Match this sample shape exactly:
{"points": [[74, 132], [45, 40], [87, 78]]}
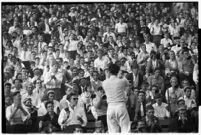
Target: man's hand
{"points": [[80, 119]]}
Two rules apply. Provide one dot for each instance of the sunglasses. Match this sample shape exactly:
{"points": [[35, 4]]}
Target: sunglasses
{"points": [[75, 98]]}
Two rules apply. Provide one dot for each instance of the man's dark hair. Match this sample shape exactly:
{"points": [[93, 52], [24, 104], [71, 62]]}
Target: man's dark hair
{"points": [[114, 69], [48, 102], [7, 84], [70, 95]]}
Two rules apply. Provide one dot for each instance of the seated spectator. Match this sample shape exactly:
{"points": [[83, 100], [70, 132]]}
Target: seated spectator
{"points": [[171, 65], [189, 102], [141, 127], [186, 83], [153, 64], [50, 117], [174, 89], [78, 129], [7, 89], [152, 122], [150, 94], [157, 80], [140, 106], [173, 105], [160, 108], [181, 123]]}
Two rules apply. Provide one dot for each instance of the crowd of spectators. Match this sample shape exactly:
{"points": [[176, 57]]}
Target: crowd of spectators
{"points": [[56, 56]]}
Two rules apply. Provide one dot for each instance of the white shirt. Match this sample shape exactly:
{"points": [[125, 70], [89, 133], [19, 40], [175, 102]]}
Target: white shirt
{"points": [[101, 63], [176, 49], [161, 111], [155, 30], [115, 89], [150, 46], [189, 102], [108, 35], [121, 28], [72, 119], [19, 116], [25, 55], [166, 42], [53, 83], [174, 31], [72, 46], [35, 99]]}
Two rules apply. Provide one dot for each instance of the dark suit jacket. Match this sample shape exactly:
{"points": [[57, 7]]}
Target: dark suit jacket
{"points": [[137, 110], [177, 126], [139, 79], [150, 68]]}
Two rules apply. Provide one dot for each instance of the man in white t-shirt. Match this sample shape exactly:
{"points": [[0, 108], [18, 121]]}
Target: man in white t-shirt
{"points": [[121, 27]]}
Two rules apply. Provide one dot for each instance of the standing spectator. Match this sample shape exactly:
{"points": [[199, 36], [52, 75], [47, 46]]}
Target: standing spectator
{"points": [[121, 27], [160, 108], [117, 114], [50, 117], [152, 121], [17, 115]]}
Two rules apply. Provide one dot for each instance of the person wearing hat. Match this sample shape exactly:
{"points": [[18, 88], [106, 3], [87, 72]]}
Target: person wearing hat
{"points": [[32, 124], [29, 94], [53, 80], [152, 122], [182, 123], [16, 114], [51, 97], [160, 108]]}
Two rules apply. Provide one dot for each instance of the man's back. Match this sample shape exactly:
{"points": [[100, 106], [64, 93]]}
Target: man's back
{"points": [[114, 89]]}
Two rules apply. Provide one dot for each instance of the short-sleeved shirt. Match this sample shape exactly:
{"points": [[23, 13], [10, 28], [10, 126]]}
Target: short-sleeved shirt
{"points": [[115, 89], [121, 28]]}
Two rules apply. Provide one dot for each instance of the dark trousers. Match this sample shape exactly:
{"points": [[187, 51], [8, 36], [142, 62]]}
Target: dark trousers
{"points": [[19, 128], [103, 119]]}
